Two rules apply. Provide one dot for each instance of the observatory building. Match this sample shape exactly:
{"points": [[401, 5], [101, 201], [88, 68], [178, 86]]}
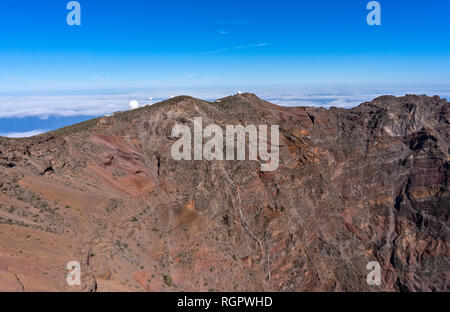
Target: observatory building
{"points": [[133, 104]]}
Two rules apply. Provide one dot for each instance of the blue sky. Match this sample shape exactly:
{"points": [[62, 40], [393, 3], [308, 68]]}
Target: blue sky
{"points": [[136, 48]]}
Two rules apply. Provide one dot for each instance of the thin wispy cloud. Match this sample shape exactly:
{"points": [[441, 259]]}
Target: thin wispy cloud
{"points": [[241, 47]]}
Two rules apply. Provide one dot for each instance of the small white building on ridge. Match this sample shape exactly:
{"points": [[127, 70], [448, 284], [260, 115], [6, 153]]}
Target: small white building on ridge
{"points": [[134, 104]]}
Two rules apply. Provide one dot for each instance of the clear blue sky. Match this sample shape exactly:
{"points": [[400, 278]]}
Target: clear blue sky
{"points": [[137, 43]]}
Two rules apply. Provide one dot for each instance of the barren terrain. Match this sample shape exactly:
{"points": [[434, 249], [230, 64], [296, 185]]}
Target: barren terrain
{"points": [[353, 186]]}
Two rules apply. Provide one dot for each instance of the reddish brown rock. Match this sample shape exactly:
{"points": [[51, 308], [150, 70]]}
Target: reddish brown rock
{"points": [[353, 186]]}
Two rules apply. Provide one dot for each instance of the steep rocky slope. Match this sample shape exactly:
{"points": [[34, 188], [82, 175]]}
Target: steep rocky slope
{"points": [[353, 186]]}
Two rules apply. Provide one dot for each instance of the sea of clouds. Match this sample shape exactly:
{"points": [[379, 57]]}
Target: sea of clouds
{"points": [[99, 104]]}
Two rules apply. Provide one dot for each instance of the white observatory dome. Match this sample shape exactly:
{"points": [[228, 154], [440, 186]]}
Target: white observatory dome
{"points": [[134, 104]]}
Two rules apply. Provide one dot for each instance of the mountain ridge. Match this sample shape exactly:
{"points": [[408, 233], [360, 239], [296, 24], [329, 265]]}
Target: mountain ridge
{"points": [[353, 186], [219, 103]]}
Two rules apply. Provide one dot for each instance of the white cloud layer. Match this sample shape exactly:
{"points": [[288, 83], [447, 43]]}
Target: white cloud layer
{"points": [[342, 98], [22, 134], [59, 105]]}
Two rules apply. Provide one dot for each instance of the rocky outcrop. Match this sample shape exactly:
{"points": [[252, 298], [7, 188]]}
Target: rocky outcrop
{"points": [[353, 186]]}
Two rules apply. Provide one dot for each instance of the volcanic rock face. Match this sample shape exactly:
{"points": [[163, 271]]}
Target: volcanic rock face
{"points": [[353, 186]]}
